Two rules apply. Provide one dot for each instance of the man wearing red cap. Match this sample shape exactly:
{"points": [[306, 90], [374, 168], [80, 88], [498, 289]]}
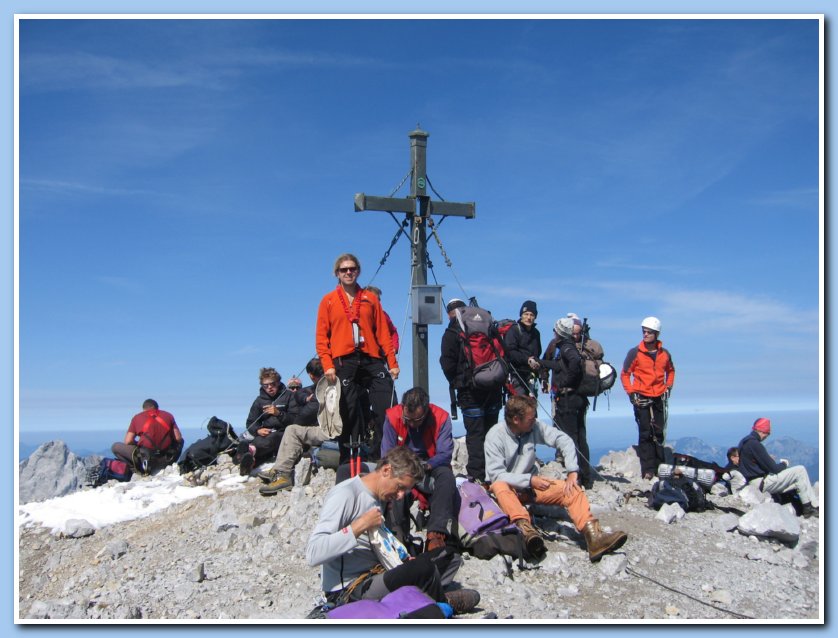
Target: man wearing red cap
{"points": [[774, 478]]}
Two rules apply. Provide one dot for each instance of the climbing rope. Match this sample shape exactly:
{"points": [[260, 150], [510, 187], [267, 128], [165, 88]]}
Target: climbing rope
{"points": [[634, 572]]}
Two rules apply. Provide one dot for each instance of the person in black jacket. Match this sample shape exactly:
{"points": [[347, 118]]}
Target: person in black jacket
{"points": [[563, 358], [757, 465], [522, 344], [570, 408], [265, 422], [301, 433], [480, 407]]}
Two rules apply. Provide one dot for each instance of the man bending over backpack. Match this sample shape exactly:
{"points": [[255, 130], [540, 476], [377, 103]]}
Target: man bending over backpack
{"points": [[340, 541], [511, 470], [152, 441]]}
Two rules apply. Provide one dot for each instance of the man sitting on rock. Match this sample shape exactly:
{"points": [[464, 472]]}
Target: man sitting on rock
{"points": [[340, 541], [265, 422], [152, 441], [425, 429], [774, 478], [302, 434], [732, 474], [511, 470]]}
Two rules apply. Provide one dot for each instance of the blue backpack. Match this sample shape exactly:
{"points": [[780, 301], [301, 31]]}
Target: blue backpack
{"points": [[680, 490]]}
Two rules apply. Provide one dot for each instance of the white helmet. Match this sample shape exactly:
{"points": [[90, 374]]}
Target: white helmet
{"points": [[652, 323]]}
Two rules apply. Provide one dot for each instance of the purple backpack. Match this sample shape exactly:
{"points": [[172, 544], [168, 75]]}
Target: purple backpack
{"points": [[485, 531], [479, 513], [405, 602]]}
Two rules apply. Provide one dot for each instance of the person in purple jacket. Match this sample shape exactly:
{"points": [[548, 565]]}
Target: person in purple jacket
{"points": [[425, 429]]}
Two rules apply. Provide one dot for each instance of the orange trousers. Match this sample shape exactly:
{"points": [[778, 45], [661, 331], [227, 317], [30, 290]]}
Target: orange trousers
{"points": [[512, 501]]}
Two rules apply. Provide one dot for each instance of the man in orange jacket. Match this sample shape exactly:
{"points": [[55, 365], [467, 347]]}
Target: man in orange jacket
{"points": [[354, 345], [647, 376]]}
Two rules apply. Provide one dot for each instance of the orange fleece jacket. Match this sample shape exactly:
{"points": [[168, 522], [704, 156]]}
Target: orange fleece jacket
{"points": [[333, 335]]}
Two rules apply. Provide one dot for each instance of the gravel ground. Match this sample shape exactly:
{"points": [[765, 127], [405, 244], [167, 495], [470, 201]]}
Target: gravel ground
{"points": [[239, 555]]}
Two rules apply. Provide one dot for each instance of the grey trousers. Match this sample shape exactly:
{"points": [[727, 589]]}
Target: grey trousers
{"points": [[295, 440], [792, 478]]}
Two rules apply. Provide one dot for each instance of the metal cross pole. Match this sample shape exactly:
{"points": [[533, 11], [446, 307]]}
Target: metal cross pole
{"points": [[419, 208]]}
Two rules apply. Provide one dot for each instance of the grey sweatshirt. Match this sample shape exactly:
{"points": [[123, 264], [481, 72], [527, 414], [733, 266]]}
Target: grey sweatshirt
{"points": [[511, 458], [332, 543]]}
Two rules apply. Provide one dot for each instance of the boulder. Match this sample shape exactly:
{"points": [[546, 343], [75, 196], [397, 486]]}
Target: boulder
{"points": [[770, 520], [624, 463], [52, 470]]}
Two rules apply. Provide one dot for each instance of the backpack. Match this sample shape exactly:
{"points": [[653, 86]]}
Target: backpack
{"points": [[685, 460], [597, 377], [485, 531], [405, 602], [483, 349], [109, 469], [206, 451], [681, 490], [155, 433], [503, 326]]}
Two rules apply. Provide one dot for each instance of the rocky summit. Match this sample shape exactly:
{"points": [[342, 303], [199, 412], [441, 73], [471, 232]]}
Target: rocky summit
{"points": [[231, 553]]}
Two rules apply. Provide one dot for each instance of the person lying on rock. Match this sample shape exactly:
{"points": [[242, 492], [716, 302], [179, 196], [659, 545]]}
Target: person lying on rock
{"points": [[759, 468], [512, 474], [340, 542], [425, 428]]}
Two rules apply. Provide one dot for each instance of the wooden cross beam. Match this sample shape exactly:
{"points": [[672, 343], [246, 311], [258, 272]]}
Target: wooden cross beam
{"points": [[419, 207]]}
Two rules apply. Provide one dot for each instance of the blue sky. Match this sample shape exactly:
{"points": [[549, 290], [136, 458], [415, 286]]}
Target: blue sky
{"points": [[186, 185], [690, 157]]}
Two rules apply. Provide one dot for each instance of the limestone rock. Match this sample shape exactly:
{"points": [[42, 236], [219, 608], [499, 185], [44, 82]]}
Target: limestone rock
{"points": [[52, 470], [770, 520]]}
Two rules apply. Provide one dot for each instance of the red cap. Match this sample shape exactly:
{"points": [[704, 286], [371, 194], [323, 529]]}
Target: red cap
{"points": [[762, 425]]}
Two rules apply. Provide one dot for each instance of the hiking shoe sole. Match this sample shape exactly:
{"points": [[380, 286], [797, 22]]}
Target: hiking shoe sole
{"points": [[462, 601]]}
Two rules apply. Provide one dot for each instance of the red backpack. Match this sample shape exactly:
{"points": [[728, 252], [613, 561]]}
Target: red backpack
{"points": [[155, 433], [482, 347]]}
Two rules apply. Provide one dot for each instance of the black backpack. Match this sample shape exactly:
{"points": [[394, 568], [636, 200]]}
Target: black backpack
{"points": [[204, 452], [681, 490]]}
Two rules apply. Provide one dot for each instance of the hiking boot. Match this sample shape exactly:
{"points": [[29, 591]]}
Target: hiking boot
{"points": [[809, 511], [269, 476], [600, 542], [434, 540], [532, 539], [462, 601], [282, 482], [246, 464]]}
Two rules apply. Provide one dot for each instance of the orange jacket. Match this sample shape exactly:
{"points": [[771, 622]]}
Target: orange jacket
{"points": [[646, 374], [333, 335]]}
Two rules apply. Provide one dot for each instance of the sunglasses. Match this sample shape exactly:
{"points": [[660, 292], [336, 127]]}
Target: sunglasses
{"points": [[417, 419], [270, 384], [349, 269]]}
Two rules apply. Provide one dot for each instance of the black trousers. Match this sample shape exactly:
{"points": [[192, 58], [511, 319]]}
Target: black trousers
{"points": [[440, 488], [571, 417], [480, 410], [651, 428], [425, 572], [360, 374]]}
